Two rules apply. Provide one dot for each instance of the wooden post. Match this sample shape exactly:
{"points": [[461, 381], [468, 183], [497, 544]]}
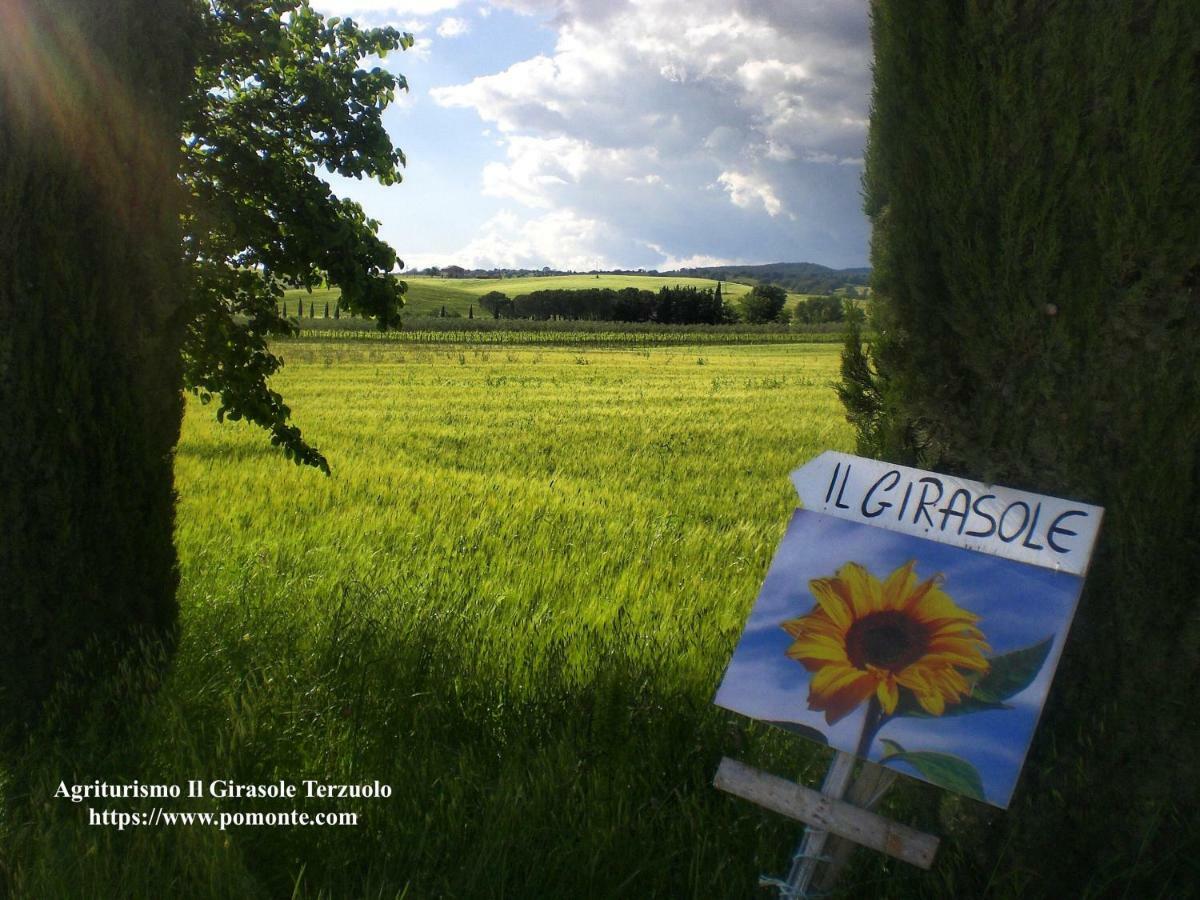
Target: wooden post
{"points": [[866, 791], [808, 854]]}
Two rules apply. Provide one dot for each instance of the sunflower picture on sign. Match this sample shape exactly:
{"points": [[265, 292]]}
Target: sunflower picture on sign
{"points": [[922, 656]]}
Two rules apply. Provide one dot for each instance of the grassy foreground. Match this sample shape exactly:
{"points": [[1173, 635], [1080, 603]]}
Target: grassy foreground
{"points": [[512, 602]]}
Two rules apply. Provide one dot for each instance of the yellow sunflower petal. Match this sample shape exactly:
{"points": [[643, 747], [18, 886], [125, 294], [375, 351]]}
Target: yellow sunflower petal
{"points": [[888, 694], [953, 628], [914, 678], [830, 678], [975, 662], [815, 623], [819, 623], [916, 593], [954, 680], [945, 680], [847, 693], [960, 645], [795, 627], [899, 585], [862, 590], [935, 604], [818, 649], [831, 602], [932, 702]]}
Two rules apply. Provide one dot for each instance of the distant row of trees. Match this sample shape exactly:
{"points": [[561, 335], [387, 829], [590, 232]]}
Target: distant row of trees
{"points": [[765, 303], [670, 305], [815, 310]]}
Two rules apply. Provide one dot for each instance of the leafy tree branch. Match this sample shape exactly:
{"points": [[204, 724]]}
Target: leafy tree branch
{"points": [[279, 95]]}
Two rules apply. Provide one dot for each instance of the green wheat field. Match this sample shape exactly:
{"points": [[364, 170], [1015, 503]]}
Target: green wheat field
{"points": [[512, 602]]}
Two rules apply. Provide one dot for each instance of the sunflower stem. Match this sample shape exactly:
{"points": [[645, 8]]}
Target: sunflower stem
{"points": [[871, 726]]}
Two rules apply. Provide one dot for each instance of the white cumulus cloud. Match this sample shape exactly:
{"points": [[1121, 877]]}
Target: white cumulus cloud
{"points": [[452, 27], [748, 191], [420, 48], [729, 129], [560, 239]]}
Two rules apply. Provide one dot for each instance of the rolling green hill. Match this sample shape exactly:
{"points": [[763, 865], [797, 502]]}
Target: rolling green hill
{"points": [[798, 277], [426, 295]]}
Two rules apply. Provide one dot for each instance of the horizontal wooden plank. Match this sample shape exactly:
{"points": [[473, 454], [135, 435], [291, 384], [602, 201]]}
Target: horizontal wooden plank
{"points": [[819, 811]]}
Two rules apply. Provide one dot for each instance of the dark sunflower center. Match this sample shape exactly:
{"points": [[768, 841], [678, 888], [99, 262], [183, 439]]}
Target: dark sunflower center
{"points": [[889, 640]]}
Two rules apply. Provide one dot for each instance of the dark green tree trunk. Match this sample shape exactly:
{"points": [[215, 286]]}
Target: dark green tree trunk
{"points": [[91, 299], [1033, 178]]}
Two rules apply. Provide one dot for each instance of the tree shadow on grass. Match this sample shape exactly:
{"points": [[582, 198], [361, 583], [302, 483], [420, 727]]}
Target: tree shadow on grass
{"points": [[542, 759]]}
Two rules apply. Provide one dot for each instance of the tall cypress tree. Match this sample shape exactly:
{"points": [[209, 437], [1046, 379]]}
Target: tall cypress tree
{"points": [[1032, 183], [90, 332]]}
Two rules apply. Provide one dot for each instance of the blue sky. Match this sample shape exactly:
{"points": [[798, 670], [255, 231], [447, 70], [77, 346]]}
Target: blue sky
{"points": [[1019, 605], [585, 134]]}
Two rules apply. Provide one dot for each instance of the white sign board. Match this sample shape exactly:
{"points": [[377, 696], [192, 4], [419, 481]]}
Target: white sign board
{"points": [[1033, 528], [914, 619]]}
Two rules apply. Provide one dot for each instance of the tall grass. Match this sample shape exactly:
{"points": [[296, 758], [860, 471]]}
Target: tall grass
{"points": [[512, 602]]}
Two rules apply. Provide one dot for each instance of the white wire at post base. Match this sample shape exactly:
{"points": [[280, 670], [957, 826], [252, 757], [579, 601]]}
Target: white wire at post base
{"points": [[808, 853]]}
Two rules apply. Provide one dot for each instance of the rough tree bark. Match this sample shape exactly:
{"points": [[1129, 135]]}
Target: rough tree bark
{"points": [[90, 333]]}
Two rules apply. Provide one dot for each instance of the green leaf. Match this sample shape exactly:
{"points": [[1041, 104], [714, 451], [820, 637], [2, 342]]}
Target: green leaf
{"points": [[1011, 673], [278, 95], [1008, 675], [910, 708], [943, 769]]}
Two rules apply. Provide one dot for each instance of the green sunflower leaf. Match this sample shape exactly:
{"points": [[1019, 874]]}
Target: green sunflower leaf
{"points": [[1010, 673], [908, 706], [943, 769]]}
